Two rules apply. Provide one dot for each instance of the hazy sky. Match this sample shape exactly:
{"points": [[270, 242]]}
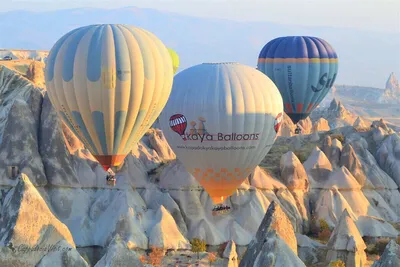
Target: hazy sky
{"points": [[377, 15]]}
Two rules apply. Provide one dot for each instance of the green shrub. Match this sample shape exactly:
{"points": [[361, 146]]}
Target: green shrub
{"points": [[301, 155], [378, 247], [198, 246], [323, 225], [337, 263]]}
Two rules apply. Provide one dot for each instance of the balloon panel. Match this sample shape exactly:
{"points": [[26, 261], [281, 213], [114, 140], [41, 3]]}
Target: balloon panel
{"points": [[303, 69], [221, 120], [109, 83], [175, 59]]}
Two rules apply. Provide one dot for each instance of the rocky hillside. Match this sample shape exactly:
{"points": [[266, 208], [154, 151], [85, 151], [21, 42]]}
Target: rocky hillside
{"points": [[316, 198], [39, 55], [392, 91], [368, 102]]}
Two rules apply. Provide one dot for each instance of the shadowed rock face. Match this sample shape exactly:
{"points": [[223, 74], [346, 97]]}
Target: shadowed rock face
{"points": [[350, 160], [57, 160], [318, 168], [388, 156], [27, 222], [293, 173], [275, 225], [20, 108], [65, 257], [119, 255], [19, 146], [390, 257]]}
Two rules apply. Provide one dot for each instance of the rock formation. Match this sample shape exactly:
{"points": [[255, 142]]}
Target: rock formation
{"points": [[275, 232], [35, 73], [320, 125], [390, 257], [359, 124], [346, 243], [156, 202], [28, 229]]}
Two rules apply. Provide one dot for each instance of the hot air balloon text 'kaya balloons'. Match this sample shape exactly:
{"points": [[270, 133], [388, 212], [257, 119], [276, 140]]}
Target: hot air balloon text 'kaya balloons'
{"points": [[303, 68], [221, 120], [108, 83]]}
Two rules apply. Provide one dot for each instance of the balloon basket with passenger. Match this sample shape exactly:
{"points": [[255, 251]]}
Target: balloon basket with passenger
{"points": [[297, 130], [110, 178], [221, 209]]}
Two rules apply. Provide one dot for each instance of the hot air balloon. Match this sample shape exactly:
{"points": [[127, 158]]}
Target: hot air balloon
{"points": [[234, 114], [175, 59], [109, 83], [303, 68]]}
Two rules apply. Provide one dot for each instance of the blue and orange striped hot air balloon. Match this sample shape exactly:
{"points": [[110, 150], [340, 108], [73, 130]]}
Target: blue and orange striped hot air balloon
{"points": [[303, 68], [109, 83]]}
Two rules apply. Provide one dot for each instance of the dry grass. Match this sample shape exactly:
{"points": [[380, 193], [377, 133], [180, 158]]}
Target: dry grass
{"points": [[154, 258]]}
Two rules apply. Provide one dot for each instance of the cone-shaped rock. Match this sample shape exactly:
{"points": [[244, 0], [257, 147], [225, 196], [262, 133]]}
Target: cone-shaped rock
{"points": [[318, 167], [346, 243], [27, 222], [293, 173], [275, 221], [350, 160]]}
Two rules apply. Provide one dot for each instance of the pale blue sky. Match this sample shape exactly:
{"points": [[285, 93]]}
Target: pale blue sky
{"points": [[376, 15]]}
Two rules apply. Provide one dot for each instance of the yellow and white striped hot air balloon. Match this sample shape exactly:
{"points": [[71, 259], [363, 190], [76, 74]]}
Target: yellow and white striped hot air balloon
{"points": [[109, 83], [221, 120]]}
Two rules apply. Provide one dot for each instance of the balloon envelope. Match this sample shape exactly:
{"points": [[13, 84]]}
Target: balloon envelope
{"points": [[175, 59], [221, 120], [108, 83], [303, 68]]}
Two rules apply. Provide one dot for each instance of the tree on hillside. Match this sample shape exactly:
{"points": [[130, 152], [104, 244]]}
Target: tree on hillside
{"points": [[198, 246], [212, 257]]}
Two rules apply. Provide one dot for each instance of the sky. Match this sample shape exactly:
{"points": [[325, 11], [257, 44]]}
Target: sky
{"points": [[373, 15]]}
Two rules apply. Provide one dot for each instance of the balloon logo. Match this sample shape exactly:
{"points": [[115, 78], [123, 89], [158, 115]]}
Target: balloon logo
{"points": [[278, 122], [230, 123], [178, 124]]}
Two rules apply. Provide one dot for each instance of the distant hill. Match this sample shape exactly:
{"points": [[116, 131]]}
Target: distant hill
{"points": [[369, 102], [200, 40]]}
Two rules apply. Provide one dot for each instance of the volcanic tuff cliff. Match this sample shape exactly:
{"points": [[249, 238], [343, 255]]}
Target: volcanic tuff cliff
{"points": [[308, 178]]}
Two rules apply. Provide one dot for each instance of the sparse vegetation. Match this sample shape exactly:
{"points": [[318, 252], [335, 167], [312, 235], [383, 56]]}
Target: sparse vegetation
{"points": [[212, 257], [154, 258], [337, 263], [339, 137], [198, 245], [323, 225], [378, 247], [301, 155], [321, 230], [398, 240]]}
